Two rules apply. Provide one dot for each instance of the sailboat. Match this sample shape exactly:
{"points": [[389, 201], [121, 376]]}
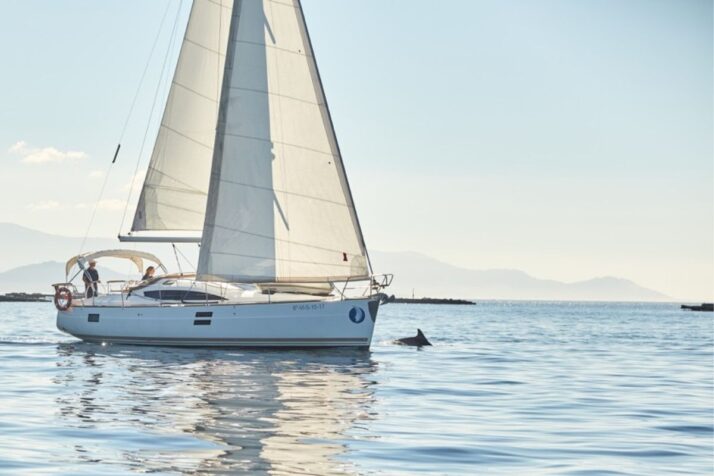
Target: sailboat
{"points": [[246, 164]]}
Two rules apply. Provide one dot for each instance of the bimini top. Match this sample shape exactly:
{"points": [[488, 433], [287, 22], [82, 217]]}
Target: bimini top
{"points": [[137, 257]]}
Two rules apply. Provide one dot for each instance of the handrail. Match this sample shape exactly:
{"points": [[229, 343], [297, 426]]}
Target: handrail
{"points": [[205, 294], [375, 284], [385, 280]]}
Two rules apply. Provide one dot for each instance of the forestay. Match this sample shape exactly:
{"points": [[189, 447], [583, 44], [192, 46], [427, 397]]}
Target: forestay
{"points": [[176, 186], [279, 206]]}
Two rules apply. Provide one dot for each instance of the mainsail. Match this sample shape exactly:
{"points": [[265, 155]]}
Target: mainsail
{"points": [[278, 206], [176, 186]]}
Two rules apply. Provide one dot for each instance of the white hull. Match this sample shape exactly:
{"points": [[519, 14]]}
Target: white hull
{"points": [[319, 323]]}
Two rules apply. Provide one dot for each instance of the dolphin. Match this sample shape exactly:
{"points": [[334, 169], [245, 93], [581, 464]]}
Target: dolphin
{"points": [[418, 340]]}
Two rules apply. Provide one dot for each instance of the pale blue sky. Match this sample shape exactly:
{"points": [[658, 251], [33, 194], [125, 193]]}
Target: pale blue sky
{"points": [[570, 139]]}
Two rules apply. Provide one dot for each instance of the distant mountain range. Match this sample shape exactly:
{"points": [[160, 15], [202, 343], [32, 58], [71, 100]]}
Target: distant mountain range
{"points": [[32, 260], [433, 278], [29, 262], [39, 277], [22, 246]]}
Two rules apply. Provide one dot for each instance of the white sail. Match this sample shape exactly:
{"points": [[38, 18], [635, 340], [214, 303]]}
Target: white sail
{"points": [[279, 206], [176, 186]]}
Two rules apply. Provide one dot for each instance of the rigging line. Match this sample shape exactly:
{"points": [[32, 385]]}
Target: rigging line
{"points": [[146, 68], [178, 263], [94, 209], [121, 136], [151, 114], [188, 261]]}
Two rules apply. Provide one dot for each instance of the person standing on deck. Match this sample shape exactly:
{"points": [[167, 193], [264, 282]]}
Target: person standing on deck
{"points": [[91, 278]]}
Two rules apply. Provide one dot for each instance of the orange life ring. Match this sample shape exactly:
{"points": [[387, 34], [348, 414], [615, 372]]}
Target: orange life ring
{"points": [[63, 298]]}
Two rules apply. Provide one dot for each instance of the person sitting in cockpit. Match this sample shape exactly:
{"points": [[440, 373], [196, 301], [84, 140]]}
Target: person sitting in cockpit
{"points": [[149, 273]]}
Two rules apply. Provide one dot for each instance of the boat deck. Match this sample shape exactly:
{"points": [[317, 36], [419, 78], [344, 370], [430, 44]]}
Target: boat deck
{"points": [[122, 300]]}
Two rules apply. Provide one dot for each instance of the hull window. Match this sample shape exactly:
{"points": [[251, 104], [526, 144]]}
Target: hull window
{"points": [[178, 295]]}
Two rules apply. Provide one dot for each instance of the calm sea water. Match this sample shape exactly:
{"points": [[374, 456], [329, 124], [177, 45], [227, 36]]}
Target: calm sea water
{"points": [[507, 388]]}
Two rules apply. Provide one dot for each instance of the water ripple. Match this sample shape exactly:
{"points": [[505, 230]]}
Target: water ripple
{"points": [[508, 388]]}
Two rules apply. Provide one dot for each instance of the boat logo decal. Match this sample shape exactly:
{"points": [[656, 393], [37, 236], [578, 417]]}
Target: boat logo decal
{"points": [[356, 315]]}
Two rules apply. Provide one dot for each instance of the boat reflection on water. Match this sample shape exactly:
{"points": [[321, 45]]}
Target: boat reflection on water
{"points": [[211, 411]]}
